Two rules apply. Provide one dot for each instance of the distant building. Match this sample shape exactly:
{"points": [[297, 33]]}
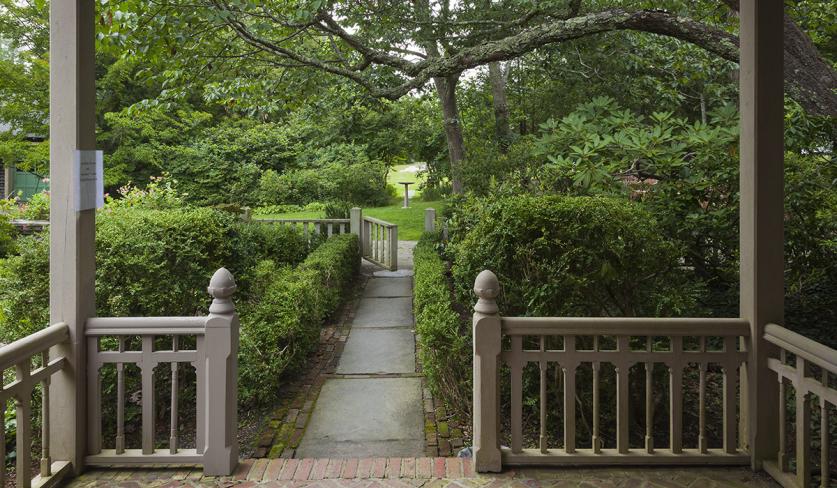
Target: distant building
{"points": [[14, 181]]}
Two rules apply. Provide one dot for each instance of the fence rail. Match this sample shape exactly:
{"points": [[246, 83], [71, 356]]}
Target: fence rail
{"points": [[380, 242], [19, 355], [593, 342], [810, 368], [313, 227], [163, 341]]}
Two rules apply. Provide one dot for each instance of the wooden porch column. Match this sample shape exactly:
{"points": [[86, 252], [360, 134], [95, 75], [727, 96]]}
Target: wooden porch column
{"points": [[72, 252], [762, 210]]}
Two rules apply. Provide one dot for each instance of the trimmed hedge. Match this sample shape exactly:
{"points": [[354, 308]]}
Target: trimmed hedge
{"points": [[571, 257], [281, 324], [443, 335], [148, 263]]}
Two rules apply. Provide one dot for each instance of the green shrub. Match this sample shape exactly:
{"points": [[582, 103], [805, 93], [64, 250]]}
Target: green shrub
{"points": [[6, 235], [153, 262], [281, 324], [254, 242], [358, 184], [149, 262], [571, 256], [443, 333], [24, 288]]}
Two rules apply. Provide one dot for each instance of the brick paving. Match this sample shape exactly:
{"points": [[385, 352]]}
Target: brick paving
{"points": [[418, 472]]}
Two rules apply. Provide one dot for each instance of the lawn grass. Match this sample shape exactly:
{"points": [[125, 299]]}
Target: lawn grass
{"points": [[399, 173], [410, 221]]}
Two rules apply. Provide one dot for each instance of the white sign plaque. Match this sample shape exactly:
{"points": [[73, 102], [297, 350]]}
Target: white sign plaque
{"points": [[89, 188]]}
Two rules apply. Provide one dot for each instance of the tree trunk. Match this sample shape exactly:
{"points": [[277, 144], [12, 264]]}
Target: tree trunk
{"points": [[502, 130], [446, 89]]}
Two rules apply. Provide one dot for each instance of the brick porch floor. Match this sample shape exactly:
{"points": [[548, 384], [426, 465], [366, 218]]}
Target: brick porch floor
{"points": [[415, 472]]}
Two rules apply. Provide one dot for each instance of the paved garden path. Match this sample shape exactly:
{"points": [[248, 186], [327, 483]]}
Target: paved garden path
{"points": [[372, 407]]}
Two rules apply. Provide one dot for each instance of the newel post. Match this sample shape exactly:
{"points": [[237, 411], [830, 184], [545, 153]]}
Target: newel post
{"points": [[429, 219], [486, 374], [221, 455], [355, 222]]}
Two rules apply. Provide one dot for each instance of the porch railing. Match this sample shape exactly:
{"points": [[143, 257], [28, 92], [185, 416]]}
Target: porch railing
{"points": [[379, 242], [163, 341], [314, 227], [810, 368], [691, 343], [20, 355]]}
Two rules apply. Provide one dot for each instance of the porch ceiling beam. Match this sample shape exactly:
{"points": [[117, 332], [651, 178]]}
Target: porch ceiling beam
{"points": [[72, 119], [762, 204]]}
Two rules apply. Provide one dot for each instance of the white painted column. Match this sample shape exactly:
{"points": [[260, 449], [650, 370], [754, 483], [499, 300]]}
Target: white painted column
{"points": [[72, 234], [762, 210]]}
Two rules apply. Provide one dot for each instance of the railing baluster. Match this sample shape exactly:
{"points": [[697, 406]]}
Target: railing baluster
{"points": [[174, 402], [649, 398], [94, 398], [596, 443], [730, 389], [330, 228], [23, 427], [2, 435], [516, 366], [676, 396], [803, 426], [702, 366], [702, 441], [200, 394], [782, 458], [622, 396], [305, 230], [824, 442], [46, 462], [120, 401], [543, 400], [569, 397], [147, 367]]}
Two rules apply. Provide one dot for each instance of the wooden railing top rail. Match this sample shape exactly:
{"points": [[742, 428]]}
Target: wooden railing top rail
{"points": [[801, 346], [25, 348], [120, 326], [325, 221], [379, 222], [620, 326]]}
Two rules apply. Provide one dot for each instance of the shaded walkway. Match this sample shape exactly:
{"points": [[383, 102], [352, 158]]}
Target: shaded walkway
{"points": [[373, 405]]}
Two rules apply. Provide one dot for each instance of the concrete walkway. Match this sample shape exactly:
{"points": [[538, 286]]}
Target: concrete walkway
{"points": [[373, 407]]}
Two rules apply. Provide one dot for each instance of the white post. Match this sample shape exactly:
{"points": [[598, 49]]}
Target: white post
{"points": [[429, 220], [762, 211], [393, 248], [221, 455], [72, 255], [355, 223], [487, 342]]}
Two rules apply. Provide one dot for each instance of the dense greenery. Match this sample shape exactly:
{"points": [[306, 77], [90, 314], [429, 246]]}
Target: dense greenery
{"points": [[281, 324], [149, 262], [442, 328], [570, 256]]}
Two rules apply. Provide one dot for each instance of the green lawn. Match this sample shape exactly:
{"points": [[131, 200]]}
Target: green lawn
{"points": [[410, 221], [402, 172]]}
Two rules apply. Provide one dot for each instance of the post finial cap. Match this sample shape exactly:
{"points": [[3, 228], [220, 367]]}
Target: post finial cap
{"points": [[487, 286], [222, 285]]}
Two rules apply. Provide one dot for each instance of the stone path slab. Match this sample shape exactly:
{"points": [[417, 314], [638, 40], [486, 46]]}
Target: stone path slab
{"points": [[378, 351], [368, 417], [388, 288], [384, 312]]}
